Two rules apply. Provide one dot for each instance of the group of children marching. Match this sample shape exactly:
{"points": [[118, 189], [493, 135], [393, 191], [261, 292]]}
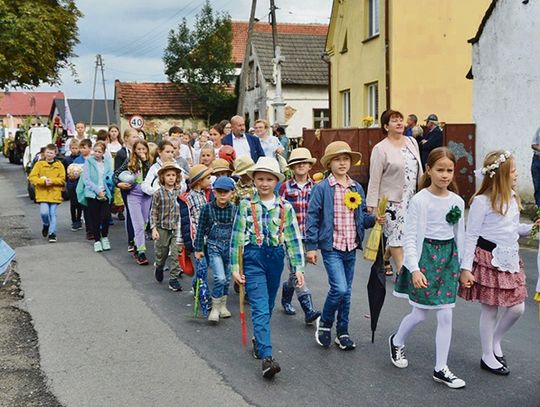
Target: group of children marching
{"points": [[249, 227]]}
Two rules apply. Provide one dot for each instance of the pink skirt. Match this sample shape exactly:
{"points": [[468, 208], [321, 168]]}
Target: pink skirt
{"points": [[494, 287]]}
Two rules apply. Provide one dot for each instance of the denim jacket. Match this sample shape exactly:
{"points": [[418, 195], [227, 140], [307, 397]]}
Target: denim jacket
{"points": [[320, 217]]}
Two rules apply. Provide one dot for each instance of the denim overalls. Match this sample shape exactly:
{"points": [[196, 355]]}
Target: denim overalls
{"points": [[218, 247]]}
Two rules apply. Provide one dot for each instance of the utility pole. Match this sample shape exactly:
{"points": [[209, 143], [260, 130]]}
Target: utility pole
{"points": [[99, 63], [279, 103], [245, 64]]}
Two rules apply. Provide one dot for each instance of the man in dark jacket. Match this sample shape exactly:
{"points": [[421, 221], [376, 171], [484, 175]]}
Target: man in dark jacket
{"points": [[242, 142], [432, 140]]}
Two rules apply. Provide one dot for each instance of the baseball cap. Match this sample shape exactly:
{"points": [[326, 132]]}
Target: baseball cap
{"points": [[224, 183]]}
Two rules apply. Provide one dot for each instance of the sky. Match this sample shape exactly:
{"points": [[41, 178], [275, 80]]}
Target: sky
{"points": [[131, 36]]}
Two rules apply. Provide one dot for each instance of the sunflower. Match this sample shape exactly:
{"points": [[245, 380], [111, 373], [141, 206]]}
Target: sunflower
{"points": [[352, 200]]}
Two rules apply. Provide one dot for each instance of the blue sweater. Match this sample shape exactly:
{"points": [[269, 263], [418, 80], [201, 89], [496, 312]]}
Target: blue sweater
{"points": [[88, 186], [320, 217]]}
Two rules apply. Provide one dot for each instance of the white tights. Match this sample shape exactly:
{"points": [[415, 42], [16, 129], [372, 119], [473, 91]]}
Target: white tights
{"points": [[492, 332], [442, 337]]}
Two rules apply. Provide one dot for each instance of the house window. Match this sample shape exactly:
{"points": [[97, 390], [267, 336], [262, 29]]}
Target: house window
{"points": [[257, 84], [346, 107], [373, 18], [373, 100], [321, 118]]}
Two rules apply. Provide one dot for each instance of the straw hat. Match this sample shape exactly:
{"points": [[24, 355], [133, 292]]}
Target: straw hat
{"points": [[266, 164], [220, 164], [197, 173], [169, 165], [337, 148], [242, 165], [301, 155]]}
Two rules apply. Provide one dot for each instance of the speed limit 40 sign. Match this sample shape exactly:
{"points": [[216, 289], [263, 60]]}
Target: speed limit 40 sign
{"points": [[136, 122]]}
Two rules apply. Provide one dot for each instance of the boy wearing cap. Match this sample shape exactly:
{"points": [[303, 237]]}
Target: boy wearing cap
{"points": [[215, 227], [297, 191], [264, 225], [337, 217], [165, 221]]}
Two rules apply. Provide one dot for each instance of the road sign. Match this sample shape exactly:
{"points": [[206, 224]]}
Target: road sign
{"points": [[136, 122]]}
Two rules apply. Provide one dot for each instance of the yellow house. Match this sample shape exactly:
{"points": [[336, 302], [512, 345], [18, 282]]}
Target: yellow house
{"points": [[412, 56]]}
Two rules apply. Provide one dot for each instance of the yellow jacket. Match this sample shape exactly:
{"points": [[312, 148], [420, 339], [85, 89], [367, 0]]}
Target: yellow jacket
{"points": [[56, 173]]}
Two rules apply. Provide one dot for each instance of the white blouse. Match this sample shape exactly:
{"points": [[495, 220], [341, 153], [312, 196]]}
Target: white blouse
{"points": [[503, 230], [426, 218]]}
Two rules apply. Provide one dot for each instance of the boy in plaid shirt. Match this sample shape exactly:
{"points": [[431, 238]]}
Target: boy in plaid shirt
{"points": [[264, 227], [337, 217], [297, 191]]}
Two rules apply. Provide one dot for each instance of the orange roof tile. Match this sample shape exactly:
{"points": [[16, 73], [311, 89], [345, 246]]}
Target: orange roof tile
{"points": [[27, 103], [154, 99], [240, 29]]}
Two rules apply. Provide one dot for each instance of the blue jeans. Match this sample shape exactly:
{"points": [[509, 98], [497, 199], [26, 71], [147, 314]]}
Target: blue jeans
{"points": [[340, 269], [48, 215], [535, 172], [218, 260], [262, 268]]}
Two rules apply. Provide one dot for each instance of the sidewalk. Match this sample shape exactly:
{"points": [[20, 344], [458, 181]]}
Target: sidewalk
{"points": [[100, 344]]}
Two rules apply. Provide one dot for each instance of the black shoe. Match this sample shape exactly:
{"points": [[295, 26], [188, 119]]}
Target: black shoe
{"points": [[121, 216], [397, 354], [52, 238], [45, 230], [270, 368], [502, 371], [174, 285], [254, 350], [445, 376], [158, 273], [501, 360], [344, 342]]}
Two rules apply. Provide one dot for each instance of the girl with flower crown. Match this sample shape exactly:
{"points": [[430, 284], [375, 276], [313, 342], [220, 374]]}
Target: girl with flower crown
{"points": [[492, 272], [434, 231]]}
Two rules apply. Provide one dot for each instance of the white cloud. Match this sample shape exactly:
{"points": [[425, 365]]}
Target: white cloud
{"points": [[132, 34]]}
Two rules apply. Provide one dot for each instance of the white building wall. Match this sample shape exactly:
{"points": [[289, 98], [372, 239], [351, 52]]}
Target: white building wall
{"points": [[303, 99], [506, 92]]}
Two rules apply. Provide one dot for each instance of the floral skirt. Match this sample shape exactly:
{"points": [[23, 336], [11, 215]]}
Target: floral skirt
{"points": [[439, 263], [393, 228], [494, 287]]}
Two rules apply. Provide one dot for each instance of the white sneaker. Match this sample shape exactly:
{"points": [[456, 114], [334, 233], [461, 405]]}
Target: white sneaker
{"points": [[105, 243], [447, 377], [98, 247], [397, 354]]}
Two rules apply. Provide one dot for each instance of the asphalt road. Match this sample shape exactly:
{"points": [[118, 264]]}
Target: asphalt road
{"points": [[315, 376]]}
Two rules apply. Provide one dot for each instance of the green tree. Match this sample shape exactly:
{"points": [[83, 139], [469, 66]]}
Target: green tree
{"points": [[201, 60], [37, 40]]}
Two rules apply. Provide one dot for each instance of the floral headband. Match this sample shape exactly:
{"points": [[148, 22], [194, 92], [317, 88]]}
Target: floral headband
{"points": [[492, 168]]}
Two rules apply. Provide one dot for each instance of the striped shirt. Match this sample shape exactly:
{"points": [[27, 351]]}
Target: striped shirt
{"points": [[165, 212], [211, 213], [344, 223], [298, 196], [269, 223]]}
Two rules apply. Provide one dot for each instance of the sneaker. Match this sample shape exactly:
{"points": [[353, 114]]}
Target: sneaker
{"points": [[447, 377], [98, 247], [158, 273], [174, 285], [78, 225], [45, 230], [270, 368], [397, 354], [121, 216], [52, 238], [131, 247], [105, 243], [254, 349], [322, 334], [141, 259], [344, 342], [73, 227], [111, 222]]}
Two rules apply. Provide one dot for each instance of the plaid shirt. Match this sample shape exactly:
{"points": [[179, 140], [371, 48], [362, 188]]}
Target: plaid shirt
{"points": [[299, 199], [196, 200], [344, 224], [206, 220], [165, 212], [269, 222]]}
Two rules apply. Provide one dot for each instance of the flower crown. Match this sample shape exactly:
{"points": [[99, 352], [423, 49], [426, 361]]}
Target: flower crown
{"points": [[492, 168]]}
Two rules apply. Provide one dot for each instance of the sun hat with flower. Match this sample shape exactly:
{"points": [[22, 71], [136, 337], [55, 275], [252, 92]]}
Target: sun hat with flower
{"points": [[336, 148]]}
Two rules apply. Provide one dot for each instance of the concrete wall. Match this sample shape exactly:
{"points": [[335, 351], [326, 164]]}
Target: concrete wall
{"points": [[506, 73]]}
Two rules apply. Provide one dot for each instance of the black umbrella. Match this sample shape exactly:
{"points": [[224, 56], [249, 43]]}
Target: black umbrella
{"points": [[376, 286]]}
